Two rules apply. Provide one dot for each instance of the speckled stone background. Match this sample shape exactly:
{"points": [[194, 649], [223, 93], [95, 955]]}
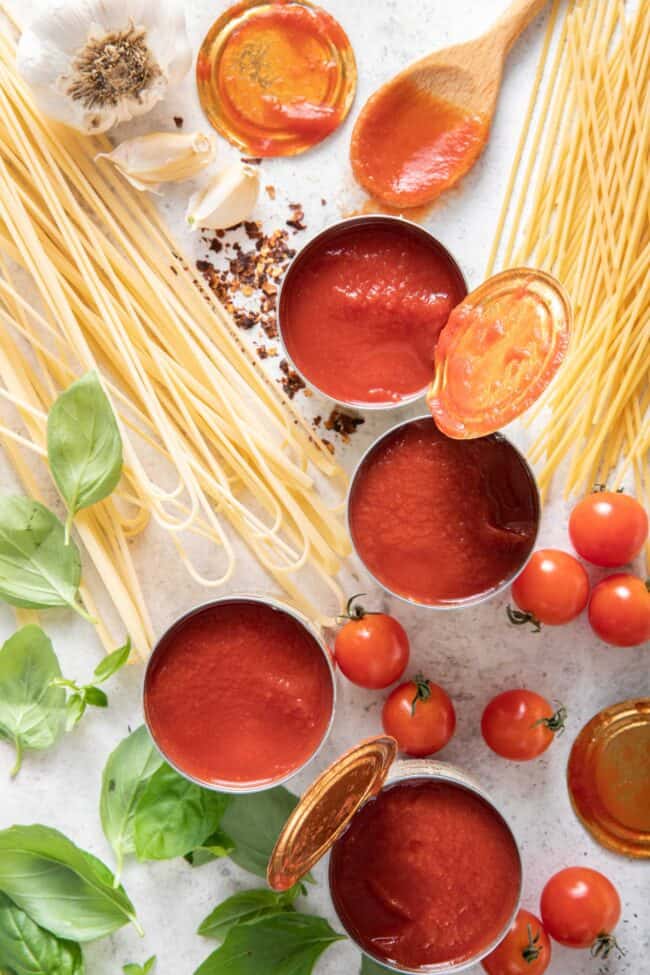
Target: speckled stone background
{"points": [[474, 654]]}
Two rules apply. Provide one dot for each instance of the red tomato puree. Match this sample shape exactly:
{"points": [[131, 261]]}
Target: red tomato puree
{"points": [[239, 692], [361, 312], [427, 873], [409, 146], [439, 520]]}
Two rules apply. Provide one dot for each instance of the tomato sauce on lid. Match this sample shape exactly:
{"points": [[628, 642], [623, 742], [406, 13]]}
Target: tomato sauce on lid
{"points": [[362, 306], [427, 873], [238, 692], [441, 521]]}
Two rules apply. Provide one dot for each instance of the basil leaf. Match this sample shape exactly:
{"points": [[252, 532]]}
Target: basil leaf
{"points": [[132, 969], [286, 944], [84, 446], [249, 905], [32, 712], [369, 967], [62, 888], [217, 846], [113, 662], [174, 816], [37, 569], [95, 696], [30, 950], [126, 773], [253, 823]]}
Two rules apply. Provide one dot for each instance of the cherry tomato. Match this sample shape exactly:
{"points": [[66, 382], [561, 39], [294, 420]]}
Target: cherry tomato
{"points": [[520, 724], [619, 610], [580, 909], [525, 950], [553, 588], [372, 649], [608, 529], [420, 716]]}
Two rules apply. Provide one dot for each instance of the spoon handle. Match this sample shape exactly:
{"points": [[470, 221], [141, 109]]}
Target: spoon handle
{"points": [[515, 20]]}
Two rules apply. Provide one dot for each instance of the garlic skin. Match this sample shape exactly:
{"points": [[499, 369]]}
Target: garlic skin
{"points": [[162, 157], [94, 63], [228, 199]]}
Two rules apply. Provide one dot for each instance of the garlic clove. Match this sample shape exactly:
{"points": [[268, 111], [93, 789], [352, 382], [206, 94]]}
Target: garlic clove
{"points": [[162, 157], [228, 199]]}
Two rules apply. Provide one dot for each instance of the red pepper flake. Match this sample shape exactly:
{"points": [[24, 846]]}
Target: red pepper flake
{"points": [[270, 192], [291, 381], [178, 121], [262, 352], [251, 160], [342, 423], [297, 217]]}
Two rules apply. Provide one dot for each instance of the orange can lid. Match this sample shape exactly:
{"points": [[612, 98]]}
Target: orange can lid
{"points": [[499, 350], [327, 808], [609, 777]]}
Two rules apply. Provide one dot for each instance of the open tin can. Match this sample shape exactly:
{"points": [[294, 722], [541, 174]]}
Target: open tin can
{"points": [[178, 745], [443, 510], [427, 248], [335, 806]]}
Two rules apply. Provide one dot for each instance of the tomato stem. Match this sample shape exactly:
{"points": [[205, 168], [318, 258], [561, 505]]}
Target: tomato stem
{"points": [[604, 945], [533, 949], [353, 612], [517, 618], [423, 692], [556, 723]]}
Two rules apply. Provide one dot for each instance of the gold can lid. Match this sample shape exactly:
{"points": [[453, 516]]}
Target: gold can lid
{"points": [[499, 350], [327, 808], [609, 777]]}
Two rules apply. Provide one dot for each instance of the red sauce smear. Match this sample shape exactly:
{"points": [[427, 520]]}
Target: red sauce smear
{"points": [[427, 873], [278, 78], [361, 313], [408, 145], [440, 521], [238, 692]]}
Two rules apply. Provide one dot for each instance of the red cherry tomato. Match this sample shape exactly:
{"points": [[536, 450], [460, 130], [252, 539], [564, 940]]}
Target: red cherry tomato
{"points": [[608, 529], [372, 649], [420, 716], [580, 909], [520, 724], [525, 950], [553, 588], [619, 610]]}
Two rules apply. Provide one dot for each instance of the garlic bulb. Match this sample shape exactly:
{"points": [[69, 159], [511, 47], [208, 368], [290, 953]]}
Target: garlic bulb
{"points": [[162, 157], [94, 63], [227, 199]]}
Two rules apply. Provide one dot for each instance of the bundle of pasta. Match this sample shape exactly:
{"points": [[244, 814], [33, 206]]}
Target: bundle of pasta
{"points": [[578, 205], [113, 293]]}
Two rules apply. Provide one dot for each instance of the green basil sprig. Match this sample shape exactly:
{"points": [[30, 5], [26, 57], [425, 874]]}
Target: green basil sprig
{"points": [[133, 969], [282, 944], [37, 569], [62, 888], [88, 694], [126, 774], [32, 711], [27, 948], [246, 906], [84, 445]]}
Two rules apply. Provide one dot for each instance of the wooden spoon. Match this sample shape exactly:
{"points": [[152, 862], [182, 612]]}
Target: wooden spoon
{"points": [[424, 129]]}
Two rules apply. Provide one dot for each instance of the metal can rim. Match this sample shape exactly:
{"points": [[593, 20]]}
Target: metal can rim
{"points": [[233, 788], [331, 230]]}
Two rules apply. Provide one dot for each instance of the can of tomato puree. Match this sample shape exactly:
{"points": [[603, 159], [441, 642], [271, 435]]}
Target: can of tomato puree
{"points": [[425, 874], [239, 694]]}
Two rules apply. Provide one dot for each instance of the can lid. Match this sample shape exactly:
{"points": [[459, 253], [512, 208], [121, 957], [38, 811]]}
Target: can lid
{"points": [[608, 777], [498, 352], [327, 807]]}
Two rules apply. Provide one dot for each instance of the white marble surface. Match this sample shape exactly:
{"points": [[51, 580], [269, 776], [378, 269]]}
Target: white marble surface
{"points": [[474, 654]]}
